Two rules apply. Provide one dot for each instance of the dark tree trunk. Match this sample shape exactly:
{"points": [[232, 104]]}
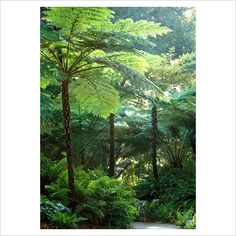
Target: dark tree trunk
{"points": [[112, 146], [67, 128], [154, 140]]}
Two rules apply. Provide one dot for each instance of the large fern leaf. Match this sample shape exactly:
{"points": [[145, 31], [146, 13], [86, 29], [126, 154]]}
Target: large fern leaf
{"points": [[77, 19], [141, 28], [96, 95], [136, 79]]}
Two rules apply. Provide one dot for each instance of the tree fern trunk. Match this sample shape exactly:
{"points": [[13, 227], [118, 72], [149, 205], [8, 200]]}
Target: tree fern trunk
{"points": [[112, 146], [67, 127], [154, 139]]}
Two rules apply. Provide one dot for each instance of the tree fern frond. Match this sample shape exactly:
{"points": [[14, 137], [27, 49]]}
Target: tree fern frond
{"points": [[77, 19], [109, 41], [96, 95], [141, 28], [134, 78], [130, 59]]}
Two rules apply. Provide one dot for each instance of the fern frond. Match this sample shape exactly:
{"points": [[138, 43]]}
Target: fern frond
{"points": [[95, 95], [77, 19], [134, 78], [110, 41], [142, 28]]}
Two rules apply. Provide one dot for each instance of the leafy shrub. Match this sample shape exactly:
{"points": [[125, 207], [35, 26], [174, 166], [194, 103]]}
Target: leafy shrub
{"points": [[51, 169], [166, 213], [49, 208], [178, 187], [186, 219], [59, 188], [147, 189], [116, 200], [176, 193], [155, 211], [58, 214], [148, 211], [101, 200], [64, 220]]}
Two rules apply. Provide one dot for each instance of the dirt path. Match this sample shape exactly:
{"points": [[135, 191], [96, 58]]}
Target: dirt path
{"points": [[155, 225]]}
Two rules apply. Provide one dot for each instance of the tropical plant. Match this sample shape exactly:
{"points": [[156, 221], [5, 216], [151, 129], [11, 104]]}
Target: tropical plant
{"points": [[49, 208], [103, 200], [186, 219], [117, 121], [64, 220], [69, 46]]}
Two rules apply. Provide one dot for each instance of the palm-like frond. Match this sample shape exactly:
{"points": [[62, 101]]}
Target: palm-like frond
{"points": [[95, 94], [136, 79]]}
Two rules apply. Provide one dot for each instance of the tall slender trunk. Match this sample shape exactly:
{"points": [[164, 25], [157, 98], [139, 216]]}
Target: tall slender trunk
{"points": [[154, 140], [67, 128], [112, 146]]}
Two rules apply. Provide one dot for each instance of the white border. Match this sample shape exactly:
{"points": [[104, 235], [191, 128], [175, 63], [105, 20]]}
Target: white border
{"points": [[215, 118]]}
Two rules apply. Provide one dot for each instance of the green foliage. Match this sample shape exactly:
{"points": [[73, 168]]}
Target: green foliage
{"points": [[135, 79], [138, 62], [101, 200], [166, 213], [147, 211], [109, 203], [49, 208], [64, 220], [51, 169], [175, 149], [96, 95], [59, 189], [176, 193], [151, 211], [179, 19], [186, 219], [57, 214], [84, 32], [170, 73], [178, 186], [77, 19], [147, 188], [142, 28], [109, 72]]}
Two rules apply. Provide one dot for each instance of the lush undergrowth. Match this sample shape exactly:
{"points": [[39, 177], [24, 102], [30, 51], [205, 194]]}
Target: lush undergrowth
{"points": [[101, 200], [173, 201], [104, 202]]}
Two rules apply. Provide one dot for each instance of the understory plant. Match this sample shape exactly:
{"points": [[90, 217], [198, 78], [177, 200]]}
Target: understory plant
{"points": [[151, 211], [101, 200], [186, 219], [55, 213], [173, 201]]}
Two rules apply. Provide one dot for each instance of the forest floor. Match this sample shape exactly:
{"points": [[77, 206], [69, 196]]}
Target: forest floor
{"points": [[155, 225]]}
